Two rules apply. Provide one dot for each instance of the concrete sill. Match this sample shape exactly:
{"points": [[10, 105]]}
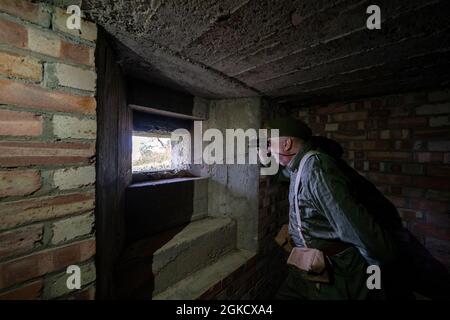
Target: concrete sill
{"points": [[164, 181], [197, 284], [150, 266]]}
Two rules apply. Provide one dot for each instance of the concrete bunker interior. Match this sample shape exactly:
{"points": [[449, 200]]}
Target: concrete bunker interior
{"points": [[70, 102]]}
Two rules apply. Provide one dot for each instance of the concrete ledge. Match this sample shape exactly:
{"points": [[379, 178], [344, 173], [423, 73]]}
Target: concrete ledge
{"points": [[152, 265], [201, 281], [144, 184], [156, 206]]}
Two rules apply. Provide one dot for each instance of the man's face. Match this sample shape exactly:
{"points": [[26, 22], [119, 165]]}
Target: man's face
{"points": [[282, 149]]}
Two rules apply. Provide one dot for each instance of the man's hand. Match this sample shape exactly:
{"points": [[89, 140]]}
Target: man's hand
{"points": [[283, 239]]}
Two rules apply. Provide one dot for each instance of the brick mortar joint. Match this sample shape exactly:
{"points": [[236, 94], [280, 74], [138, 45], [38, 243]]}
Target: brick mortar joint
{"points": [[46, 276], [61, 35], [51, 248], [90, 190], [46, 112], [42, 57], [59, 89]]}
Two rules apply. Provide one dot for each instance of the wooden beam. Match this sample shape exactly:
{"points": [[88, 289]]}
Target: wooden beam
{"points": [[113, 164]]}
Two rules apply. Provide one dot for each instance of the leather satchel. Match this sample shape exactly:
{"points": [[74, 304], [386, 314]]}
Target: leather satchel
{"points": [[312, 262], [283, 239]]}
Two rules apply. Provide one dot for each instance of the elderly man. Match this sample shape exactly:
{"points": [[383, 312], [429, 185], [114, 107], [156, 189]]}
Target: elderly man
{"points": [[340, 224]]}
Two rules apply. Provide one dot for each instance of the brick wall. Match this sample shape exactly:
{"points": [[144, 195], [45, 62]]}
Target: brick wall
{"points": [[402, 144], [47, 149]]}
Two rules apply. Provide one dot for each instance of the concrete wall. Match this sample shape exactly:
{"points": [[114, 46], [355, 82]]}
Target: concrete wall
{"points": [[259, 217], [233, 188], [47, 147]]}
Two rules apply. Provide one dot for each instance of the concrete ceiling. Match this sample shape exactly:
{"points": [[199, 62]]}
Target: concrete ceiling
{"points": [[292, 51]]}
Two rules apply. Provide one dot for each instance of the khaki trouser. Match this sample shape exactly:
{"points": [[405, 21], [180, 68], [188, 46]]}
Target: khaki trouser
{"points": [[348, 281]]}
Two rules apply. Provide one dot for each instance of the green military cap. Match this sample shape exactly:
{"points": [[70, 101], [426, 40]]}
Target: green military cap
{"points": [[290, 127]]}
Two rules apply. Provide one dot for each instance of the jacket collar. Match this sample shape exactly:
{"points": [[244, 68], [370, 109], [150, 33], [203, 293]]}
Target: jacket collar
{"points": [[292, 166]]}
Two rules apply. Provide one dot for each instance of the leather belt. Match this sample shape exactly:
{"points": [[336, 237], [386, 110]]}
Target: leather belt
{"points": [[333, 247]]}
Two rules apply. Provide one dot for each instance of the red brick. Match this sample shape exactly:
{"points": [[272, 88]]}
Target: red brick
{"points": [[346, 126], [13, 34], [359, 155], [440, 171], [412, 192], [18, 66], [211, 292], [317, 127], [19, 241], [33, 96], [403, 145], [443, 145], [395, 101], [358, 105], [359, 165], [322, 118], [78, 53], [430, 133], [370, 145], [374, 166], [380, 113], [399, 202], [29, 291], [373, 134], [85, 294], [408, 215], [349, 116], [19, 183], [432, 231], [438, 195], [13, 123], [396, 168], [389, 178], [356, 135], [389, 155], [400, 134], [434, 207], [373, 124], [438, 96], [440, 249], [330, 109], [442, 108], [424, 157], [44, 42], [439, 219], [446, 157], [431, 182], [43, 262], [440, 121], [26, 10], [397, 190], [14, 213], [413, 122], [376, 104], [400, 112], [23, 153]]}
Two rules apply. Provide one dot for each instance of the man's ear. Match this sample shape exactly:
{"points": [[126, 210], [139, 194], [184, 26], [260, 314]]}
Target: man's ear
{"points": [[287, 145]]}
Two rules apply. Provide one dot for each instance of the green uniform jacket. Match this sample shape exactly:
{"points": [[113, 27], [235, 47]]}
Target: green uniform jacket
{"points": [[330, 211]]}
